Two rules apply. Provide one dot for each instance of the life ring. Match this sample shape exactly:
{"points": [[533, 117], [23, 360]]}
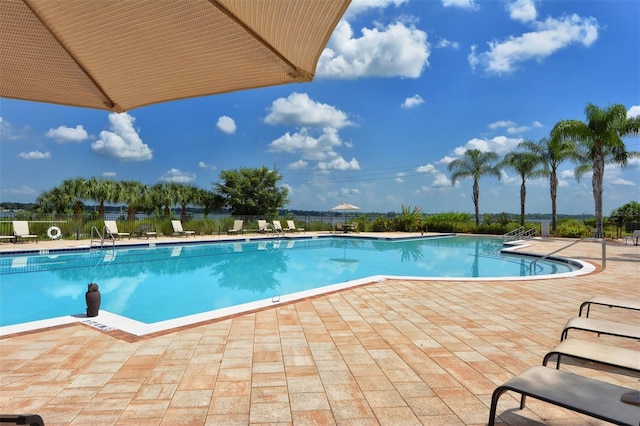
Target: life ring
{"points": [[54, 232]]}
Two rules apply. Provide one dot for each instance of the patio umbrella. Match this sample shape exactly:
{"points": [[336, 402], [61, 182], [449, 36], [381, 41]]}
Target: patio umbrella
{"points": [[120, 55], [345, 207]]}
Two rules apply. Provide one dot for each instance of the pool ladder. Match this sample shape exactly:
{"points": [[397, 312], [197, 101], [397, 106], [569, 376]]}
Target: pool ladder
{"points": [[98, 237], [600, 240]]}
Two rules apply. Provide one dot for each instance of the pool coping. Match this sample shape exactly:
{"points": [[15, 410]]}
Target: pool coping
{"points": [[110, 322]]}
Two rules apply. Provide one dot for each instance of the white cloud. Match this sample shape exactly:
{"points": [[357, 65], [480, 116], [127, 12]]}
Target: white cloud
{"points": [[109, 174], [311, 148], [522, 10], [549, 36], [517, 129], [68, 134], [21, 190], [444, 43], [393, 51], [621, 181], [358, 6], [121, 141], [35, 155], [633, 111], [226, 125], [412, 102], [427, 168], [500, 123], [566, 174], [204, 165], [441, 181], [400, 177], [177, 176], [500, 145], [537, 124], [338, 164], [300, 110], [461, 4], [298, 165], [445, 160], [349, 191]]}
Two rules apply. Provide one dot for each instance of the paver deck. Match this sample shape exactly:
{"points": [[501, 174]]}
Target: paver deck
{"points": [[391, 353]]}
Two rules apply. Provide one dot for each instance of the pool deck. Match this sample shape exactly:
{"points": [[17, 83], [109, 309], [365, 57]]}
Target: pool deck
{"points": [[397, 352]]}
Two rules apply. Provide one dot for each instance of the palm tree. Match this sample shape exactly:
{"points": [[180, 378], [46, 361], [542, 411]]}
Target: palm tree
{"points": [[526, 165], [134, 194], [474, 164], [75, 191], [102, 191], [599, 142], [552, 152]]}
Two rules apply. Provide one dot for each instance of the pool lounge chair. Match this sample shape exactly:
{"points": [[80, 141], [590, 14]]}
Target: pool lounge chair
{"points": [[634, 238], [599, 353], [21, 419], [291, 227], [277, 227], [237, 227], [110, 228], [577, 393], [21, 231], [631, 331], [177, 229], [264, 227], [611, 302]]}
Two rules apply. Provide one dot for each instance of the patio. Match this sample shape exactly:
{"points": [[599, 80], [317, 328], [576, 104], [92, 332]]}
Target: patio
{"points": [[391, 353]]}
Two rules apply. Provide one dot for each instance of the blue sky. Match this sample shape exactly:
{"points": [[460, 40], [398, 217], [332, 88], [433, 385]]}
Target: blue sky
{"points": [[402, 88]]}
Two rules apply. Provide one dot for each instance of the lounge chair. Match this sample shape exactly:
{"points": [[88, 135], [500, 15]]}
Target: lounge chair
{"points": [[635, 237], [610, 328], [577, 393], [291, 227], [21, 419], [237, 227], [264, 227], [10, 238], [21, 231], [177, 229], [111, 228], [277, 227], [586, 350], [338, 227], [611, 302]]}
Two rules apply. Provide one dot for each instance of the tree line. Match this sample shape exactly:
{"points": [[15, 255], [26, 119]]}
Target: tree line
{"points": [[590, 145], [254, 191]]}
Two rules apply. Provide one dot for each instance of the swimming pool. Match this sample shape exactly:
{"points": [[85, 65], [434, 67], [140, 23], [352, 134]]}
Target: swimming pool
{"points": [[156, 284]]}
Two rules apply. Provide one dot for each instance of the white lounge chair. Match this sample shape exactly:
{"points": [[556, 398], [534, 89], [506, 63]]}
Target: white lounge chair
{"points": [[635, 237], [237, 227], [291, 227], [277, 227], [611, 302], [264, 227], [21, 231], [587, 350], [111, 228], [630, 331], [177, 229]]}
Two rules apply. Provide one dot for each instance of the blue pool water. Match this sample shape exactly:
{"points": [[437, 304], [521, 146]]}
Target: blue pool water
{"points": [[166, 282]]}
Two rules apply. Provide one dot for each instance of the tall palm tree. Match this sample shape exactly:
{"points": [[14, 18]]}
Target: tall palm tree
{"points": [[102, 191], [526, 164], [474, 164], [552, 152], [599, 142], [134, 194], [75, 192]]}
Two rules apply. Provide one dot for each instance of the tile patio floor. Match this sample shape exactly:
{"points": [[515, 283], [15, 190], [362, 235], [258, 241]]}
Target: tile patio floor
{"points": [[390, 353]]}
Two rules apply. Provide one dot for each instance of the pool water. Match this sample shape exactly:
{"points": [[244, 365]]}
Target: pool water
{"points": [[166, 282]]}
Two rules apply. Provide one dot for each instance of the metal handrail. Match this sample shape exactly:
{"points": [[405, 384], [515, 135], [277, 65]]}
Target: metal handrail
{"points": [[513, 233], [602, 242], [101, 238]]}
